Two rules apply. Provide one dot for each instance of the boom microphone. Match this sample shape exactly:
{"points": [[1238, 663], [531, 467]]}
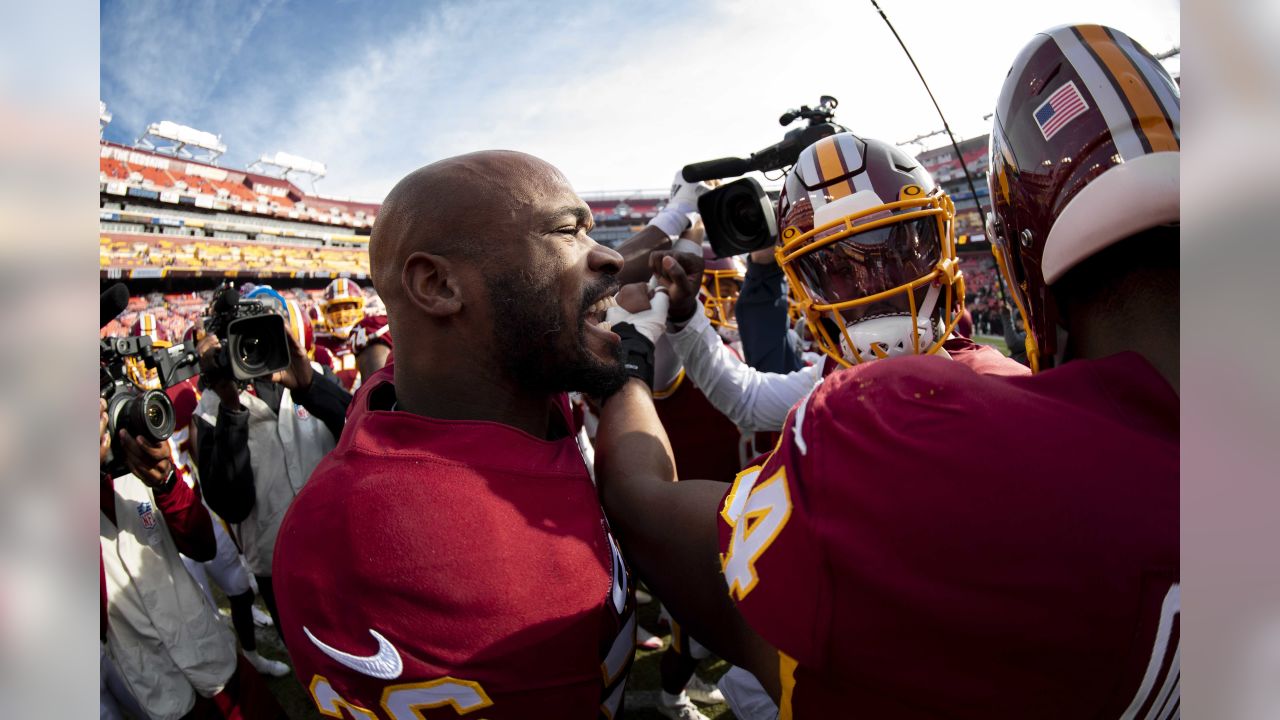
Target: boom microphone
{"points": [[111, 303], [716, 169]]}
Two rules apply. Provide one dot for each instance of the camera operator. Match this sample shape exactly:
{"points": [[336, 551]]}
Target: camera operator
{"points": [[256, 446], [762, 316], [175, 656]]}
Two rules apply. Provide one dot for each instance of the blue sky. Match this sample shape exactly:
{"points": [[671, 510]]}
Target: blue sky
{"points": [[618, 95]]}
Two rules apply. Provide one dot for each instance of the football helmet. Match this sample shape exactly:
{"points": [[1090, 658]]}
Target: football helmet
{"points": [[721, 283], [343, 307], [1084, 153], [300, 326], [316, 316], [147, 325], [867, 244]]}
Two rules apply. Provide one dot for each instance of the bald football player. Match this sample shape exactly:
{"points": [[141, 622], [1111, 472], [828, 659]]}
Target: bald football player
{"points": [[451, 551]]}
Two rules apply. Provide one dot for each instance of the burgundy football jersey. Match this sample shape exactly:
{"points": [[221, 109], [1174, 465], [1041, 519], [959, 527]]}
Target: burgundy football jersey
{"points": [[449, 567], [184, 396], [1039, 580], [704, 442], [337, 354], [371, 330]]}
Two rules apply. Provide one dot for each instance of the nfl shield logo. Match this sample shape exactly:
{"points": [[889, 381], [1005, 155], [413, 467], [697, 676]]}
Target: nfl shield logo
{"points": [[147, 515]]}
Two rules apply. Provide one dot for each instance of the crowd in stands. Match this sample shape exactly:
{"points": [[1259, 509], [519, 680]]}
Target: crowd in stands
{"points": [[210, 186], [982, 293], [127, 250]]}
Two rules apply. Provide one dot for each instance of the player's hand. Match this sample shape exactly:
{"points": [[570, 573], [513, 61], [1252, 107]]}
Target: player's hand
{"points": [[685, 194], [299, 374], [207, 347], [643, 308], [681, 275], [104, 437], [148, 461], [681, 206], [764, 257]]}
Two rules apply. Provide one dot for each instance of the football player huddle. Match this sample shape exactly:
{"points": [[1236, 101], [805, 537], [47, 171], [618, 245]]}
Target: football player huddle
{"points": [[443, 534]]}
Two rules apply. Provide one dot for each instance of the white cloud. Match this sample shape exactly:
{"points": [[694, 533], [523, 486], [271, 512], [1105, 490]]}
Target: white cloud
{"points": [[621, 98]]}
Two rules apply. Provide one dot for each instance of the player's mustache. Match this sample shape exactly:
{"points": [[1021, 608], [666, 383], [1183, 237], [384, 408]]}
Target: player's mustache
{"points": [[607, 285]]}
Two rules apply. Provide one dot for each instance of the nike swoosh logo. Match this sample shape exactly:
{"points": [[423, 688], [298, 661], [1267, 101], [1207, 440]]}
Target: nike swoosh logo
{"points": [[384, 664]]}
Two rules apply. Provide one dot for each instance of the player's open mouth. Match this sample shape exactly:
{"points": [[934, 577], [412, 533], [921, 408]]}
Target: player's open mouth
{"points": [[593, 318], [596, 311]]}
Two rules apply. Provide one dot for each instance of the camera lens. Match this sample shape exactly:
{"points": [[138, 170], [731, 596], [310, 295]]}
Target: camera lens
{"points": [[250, 354], [148, 414], [258, 346], [744, 215]]}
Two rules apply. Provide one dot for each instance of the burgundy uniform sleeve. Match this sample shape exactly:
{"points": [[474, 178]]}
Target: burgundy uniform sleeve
{"points": [[188, 520]]}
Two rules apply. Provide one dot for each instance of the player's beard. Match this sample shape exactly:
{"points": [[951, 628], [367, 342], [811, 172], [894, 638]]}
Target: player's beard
{"points": [[538, 347]]}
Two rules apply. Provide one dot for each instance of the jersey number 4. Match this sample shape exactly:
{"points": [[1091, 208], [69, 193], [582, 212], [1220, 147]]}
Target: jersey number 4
{"points": [[757, 512], [404, 702]]}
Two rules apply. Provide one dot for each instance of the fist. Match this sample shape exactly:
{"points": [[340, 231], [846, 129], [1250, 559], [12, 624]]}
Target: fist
{"points": [[634, 297]]}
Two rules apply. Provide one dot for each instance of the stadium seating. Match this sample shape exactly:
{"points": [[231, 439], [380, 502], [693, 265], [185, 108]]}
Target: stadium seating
{"points": [[212, 256], [145, 170]]}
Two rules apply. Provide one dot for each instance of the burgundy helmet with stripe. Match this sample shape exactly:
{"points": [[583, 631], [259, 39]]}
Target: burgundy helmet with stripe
{"points": [[1084, 153], [868, 247]]}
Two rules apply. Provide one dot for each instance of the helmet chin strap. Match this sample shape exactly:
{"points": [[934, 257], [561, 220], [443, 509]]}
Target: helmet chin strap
{"points": [[893, 335]]}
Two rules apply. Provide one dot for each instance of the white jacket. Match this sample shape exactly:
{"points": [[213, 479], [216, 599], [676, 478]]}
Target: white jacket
{"points": [[162, 632], [283, 450], [752, 399]]}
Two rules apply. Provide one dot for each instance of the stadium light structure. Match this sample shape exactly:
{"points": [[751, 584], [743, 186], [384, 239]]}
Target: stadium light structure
{"points": [[918, 140], [170, 138], [104, 117], [281, 164]]}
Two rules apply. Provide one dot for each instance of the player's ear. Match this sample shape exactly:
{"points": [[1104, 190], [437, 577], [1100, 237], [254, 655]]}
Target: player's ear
{"points": [[432, 284]]}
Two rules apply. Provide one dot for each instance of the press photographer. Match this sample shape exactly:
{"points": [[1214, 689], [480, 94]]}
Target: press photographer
{"points": [[270, 418], [165, 649]]}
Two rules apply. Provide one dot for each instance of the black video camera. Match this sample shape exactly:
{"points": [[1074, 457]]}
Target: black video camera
{"points": [[130, 406], [739, 216], [254, 340]]}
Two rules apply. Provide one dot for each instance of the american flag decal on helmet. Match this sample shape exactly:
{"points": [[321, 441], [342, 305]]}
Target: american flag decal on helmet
{"points": [[1059, 109]]}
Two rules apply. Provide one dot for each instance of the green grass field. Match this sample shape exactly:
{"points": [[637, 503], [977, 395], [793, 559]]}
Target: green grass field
{"points": [[995, 342]]}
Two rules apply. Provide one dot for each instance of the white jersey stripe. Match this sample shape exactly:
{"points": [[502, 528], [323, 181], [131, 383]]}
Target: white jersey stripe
{"points": [[624, 646], [1159, 651], [1170, 694]]}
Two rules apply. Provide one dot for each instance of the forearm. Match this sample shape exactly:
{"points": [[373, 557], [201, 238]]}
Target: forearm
{"points": [[668, 529], [635, 253], [225, 467], [327, 400], [188, 520], [762, 321], [753, 400]]}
